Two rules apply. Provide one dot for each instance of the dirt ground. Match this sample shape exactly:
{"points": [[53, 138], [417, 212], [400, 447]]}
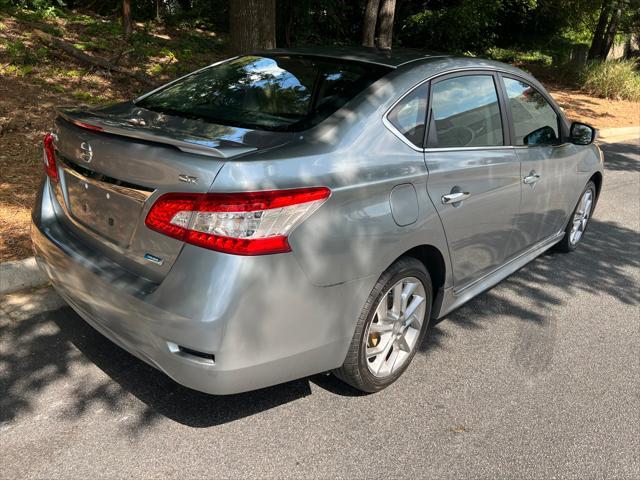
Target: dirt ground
{"points": [[599, 112], [27, 102], [35, 79]]}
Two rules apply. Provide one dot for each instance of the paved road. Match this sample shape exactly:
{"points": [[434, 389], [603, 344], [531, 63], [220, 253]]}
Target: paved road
{"points": [[537, 378]]}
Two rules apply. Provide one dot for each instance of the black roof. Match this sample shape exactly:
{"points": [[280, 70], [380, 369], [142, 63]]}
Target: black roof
{"points": [[389, 58]]}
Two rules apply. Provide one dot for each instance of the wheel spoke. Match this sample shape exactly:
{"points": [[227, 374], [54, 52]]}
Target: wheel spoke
{"points": [[413, 320], [402, 344], [383, 356], [407, 291], [380, 327], [413, 306], [397, 300], [585, 202], [385, 343], [381, 311], [393, 359]]}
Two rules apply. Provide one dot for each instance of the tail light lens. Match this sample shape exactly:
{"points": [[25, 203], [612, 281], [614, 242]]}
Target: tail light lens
{"points": [[49, 157], [247, 223]]}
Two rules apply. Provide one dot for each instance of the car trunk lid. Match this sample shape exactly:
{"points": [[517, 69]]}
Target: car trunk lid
{"points": [[112, 171]]}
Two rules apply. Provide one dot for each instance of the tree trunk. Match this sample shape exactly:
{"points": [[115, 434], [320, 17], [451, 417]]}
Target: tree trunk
{"points": [[158, 9], [385, 29], [612, 29], [370, 21], [127, 24], [252, 24], [597, 44]]}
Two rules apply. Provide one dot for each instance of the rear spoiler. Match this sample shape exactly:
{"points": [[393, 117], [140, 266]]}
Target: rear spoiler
{"points": [[117, 126]]}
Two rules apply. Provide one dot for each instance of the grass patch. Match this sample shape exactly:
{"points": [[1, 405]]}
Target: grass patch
{"points": [[508, 55], [619, 79], [88, 97], [21, 54], [17, 70]]}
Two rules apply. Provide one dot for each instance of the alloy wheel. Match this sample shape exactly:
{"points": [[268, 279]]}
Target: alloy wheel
{"points": [[395, 327], [581, 217]]}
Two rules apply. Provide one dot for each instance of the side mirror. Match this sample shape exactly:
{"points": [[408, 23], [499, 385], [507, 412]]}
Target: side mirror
{"points": [[541, 136], [582, 134]]}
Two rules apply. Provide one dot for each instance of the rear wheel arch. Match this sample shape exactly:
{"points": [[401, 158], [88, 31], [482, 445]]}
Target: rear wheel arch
{"points": [[433, 260]]}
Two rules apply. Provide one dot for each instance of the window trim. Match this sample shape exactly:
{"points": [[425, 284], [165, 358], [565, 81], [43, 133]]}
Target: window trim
{"points": [[548, 99], [392, 128], [492, 70], [389, 124], [506, 138]]}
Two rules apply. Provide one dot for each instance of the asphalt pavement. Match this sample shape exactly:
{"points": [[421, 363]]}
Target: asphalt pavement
{"points": [[537, 378]]}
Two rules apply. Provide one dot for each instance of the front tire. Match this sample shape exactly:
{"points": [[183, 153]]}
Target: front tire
{"points": [[579, 220], [391, 326]]}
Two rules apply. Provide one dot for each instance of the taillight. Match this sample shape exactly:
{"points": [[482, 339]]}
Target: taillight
{"points": [[245, 223], [49, 157]]}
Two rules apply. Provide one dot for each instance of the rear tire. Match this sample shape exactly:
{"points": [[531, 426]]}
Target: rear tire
{"points": [[579, 219], [399, 324]]}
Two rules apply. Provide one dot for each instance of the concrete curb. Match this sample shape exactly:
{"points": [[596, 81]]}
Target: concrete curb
{"points": [[610, 135], [20, 274]]}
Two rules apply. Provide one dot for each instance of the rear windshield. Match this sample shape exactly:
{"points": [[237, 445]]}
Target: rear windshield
{"points": [[282, 93]]}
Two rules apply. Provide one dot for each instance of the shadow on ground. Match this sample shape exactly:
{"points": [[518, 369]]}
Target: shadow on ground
{"points": [[622, 156], [46, 348]]}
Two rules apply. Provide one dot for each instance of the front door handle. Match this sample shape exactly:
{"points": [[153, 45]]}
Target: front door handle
{"points": [[455, 197], [532, 178]]}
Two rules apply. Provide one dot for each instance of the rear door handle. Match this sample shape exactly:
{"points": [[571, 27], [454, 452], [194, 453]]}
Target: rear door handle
{"points": [[533, 177], [455, 197]]}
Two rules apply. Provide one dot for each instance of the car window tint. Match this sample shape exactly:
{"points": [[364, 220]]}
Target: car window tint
{"points": [[535, 122], [279, 92], [410, 114], [465, 113]]}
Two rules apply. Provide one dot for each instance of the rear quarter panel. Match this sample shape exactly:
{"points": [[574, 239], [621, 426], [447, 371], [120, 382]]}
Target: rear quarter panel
{"points": [[353, 234]]}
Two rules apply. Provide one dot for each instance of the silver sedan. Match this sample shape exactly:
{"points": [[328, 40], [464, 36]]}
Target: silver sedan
{"points": [[291, 212]]}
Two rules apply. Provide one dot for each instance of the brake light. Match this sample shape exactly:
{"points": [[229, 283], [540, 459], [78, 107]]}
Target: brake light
{"points": [[49, 157], [87, 126], [245, 223]]}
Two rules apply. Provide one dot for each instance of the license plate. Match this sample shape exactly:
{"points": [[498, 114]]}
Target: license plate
{"points": [[111, 214]]}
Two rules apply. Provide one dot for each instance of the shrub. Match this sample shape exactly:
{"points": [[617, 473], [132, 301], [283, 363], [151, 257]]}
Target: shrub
{"points": [[516, 56], [618, 79]]}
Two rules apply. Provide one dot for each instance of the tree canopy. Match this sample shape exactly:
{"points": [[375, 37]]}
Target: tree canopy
{"points": [[459, 26]]}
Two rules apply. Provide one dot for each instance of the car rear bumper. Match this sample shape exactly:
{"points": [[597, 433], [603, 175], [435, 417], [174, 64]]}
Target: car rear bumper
{"points": [[216, 323]]}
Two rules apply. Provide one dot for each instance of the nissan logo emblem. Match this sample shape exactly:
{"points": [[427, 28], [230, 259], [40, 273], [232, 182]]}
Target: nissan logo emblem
{"points": [[86, 153]]}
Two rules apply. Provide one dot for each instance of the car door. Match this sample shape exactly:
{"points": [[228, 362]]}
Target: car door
{"points": [[547, 164], [474, 175]]}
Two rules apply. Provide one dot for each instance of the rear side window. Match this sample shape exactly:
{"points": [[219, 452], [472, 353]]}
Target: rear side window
{"points": [[535, 122], [409, 115], [281, 93], [465, 113]]}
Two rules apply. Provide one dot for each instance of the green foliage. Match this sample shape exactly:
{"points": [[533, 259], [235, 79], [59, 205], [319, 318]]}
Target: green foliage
{"points": [[88, 97], [543, 35], [467, 25], [507, 55], [21, 55], [613, 79]]}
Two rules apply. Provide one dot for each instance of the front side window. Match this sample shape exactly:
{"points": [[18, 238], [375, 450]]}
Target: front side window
{"points": [[535, 122], [280, 93], [409, 115], [465, 113]]}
